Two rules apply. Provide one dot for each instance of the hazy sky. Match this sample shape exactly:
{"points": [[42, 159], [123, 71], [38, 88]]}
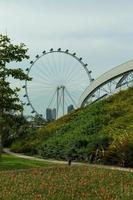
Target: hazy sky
{"points": [[100, 31]]}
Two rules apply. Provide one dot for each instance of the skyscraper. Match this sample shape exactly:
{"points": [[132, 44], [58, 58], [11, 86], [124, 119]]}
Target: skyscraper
{"points": [[70, 108], [54, 114], [49, 114]]}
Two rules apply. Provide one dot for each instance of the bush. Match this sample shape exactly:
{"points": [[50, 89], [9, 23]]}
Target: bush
{"points": [[76, 147], [120, 152], [28, 147]]}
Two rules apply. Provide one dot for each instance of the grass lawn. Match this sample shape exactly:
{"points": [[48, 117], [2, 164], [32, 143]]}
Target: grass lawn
{"points": [[9, 162], [60, 182]]}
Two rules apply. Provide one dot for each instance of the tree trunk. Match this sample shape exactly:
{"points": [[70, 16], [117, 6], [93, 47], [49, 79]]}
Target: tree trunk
{"points": [[0, 145]]}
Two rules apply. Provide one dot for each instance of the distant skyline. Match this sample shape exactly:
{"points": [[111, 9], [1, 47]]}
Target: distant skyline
{"points": [[100, 32]]}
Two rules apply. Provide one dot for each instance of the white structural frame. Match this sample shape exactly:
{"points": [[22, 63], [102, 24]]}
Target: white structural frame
{"points": [[119, 71], [51, 51]]}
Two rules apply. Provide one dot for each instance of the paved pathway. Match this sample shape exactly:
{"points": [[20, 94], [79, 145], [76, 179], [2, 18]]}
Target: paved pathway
{"points": [[65, 162]]}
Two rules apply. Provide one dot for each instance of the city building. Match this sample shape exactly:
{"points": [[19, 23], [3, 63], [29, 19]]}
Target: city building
{"points": [[54, 114], [49, 114], [70, 108]]}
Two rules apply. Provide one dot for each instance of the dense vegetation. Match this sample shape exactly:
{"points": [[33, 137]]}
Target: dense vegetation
{"points": [[100, 133], [66, 183], [10, 55]]}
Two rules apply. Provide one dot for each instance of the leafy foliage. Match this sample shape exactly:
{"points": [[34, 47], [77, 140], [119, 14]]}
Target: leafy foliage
{"points": [[9, 100], [100, 133]]}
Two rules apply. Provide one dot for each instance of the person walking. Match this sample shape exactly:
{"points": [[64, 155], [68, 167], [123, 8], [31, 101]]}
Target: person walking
{"points": [[69, 162]]}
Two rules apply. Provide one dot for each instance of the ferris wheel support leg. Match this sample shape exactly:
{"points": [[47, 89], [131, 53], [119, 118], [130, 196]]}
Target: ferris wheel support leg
{"points": [[57, 108], [63, 94]]}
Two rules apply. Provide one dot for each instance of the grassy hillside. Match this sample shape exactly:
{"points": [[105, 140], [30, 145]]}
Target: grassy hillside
{"points": [[100, 133]]}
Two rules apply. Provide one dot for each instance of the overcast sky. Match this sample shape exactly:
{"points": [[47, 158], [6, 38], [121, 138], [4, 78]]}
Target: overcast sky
{"points": [[100, 31]]}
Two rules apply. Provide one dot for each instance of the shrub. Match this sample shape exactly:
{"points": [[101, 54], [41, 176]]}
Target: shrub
{"points": [[120, 152]]}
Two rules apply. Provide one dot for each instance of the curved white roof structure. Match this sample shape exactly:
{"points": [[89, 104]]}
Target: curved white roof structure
{"points": [[104, 78]]}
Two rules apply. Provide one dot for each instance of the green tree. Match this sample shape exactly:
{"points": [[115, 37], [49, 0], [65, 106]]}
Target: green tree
{"points": [[9, 100]]}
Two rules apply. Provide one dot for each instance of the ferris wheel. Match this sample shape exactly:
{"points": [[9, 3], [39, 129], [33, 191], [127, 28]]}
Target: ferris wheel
{"points": [[58, 79]]}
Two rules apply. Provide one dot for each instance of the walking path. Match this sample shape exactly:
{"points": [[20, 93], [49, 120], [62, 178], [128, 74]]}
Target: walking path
{"points": [[65, 162]]}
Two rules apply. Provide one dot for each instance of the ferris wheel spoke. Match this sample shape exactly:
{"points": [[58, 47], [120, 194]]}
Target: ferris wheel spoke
{"points": [[66, 61], [37, 97], [72, 77], [69, 67], [37, 94], [40, 84], [77, 77], [52, 99], [43, 92], [47, 68], [55, 66], [75, 80], [68, 71], [52, 72], [71, 72], [41, 75], [39, 80], [63, 62], [42, 80], [32, 91]]}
